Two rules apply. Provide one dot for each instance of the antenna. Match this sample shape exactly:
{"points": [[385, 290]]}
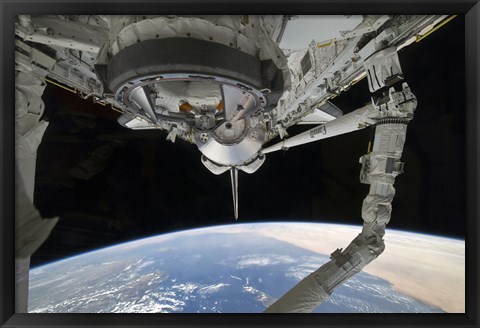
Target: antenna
{"points": [[234, 178]]}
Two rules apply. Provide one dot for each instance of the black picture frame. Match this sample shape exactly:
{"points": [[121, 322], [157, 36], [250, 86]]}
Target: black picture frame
{"points": [[9, 9]]}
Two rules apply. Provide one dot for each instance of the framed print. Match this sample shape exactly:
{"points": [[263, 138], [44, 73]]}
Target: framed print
{"points": [[189, 163]]}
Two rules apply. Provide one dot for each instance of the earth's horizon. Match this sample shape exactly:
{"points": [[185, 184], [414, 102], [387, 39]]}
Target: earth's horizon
{"points": [[245, 267]]}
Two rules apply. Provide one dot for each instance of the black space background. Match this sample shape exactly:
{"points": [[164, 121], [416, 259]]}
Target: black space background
{"points": [[150, 186]]}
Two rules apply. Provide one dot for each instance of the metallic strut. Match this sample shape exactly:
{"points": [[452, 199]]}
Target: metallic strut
{"points": [[141, 98], [234, 178]]}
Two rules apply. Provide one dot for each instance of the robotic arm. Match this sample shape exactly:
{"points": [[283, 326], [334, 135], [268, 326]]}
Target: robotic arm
{"points": [[389, 115]]}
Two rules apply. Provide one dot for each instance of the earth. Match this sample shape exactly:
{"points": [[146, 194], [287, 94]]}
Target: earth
{"points": [[243, 268]]}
